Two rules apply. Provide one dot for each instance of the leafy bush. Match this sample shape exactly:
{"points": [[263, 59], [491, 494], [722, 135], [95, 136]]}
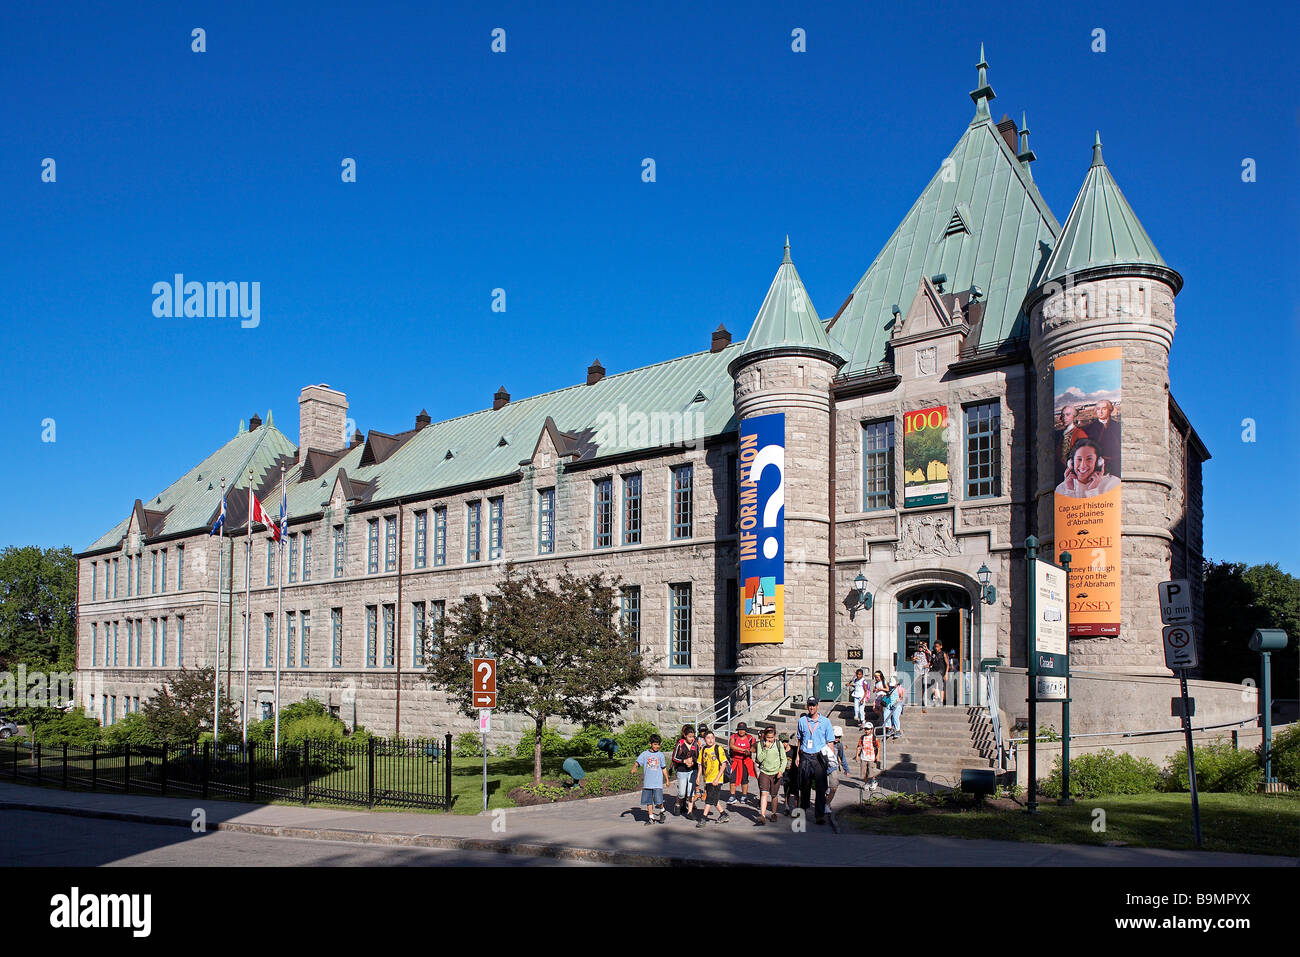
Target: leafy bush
{"points": [[74, 727], [611, 781], [583, 744], [552, 792], [1286, 757], [132, 729], [318, 729], [1219, 768], [1103, 773], [553, 743], [468, 745], [635, 738]]}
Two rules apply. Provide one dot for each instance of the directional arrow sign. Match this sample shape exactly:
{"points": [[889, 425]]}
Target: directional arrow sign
{"points": [[485, 682], [1180, 647]]}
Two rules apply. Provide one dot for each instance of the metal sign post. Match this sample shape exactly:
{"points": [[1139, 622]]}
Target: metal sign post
{"points": [[483, 694], [1180, 654], [1066, 800], [1031, 555], [484, 726]]}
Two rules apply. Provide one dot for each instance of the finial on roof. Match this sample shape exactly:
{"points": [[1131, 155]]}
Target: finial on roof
{"points": [[270, 420], [786, 258], [982, 93], [1026, 154], [242, 428], [1096, 151]]}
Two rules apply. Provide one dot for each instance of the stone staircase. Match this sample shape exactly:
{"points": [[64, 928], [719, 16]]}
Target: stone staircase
{"points": [[934, 748]]}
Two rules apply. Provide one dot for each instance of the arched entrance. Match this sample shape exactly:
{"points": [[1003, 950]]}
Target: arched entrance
{"points": [[930, 615]]}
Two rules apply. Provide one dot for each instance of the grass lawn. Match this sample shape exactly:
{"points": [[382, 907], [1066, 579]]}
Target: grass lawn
{"points": [[504, 774], [1243, 823]]}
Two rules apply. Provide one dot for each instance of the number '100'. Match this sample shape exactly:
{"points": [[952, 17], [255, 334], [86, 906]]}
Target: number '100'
{"points": [[916, 421]]}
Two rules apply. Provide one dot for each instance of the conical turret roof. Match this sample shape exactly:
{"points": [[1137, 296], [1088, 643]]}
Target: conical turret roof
{"points": [[1103, 231], [787, 322]]}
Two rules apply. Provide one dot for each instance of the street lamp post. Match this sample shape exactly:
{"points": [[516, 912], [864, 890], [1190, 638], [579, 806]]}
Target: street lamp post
{"points": [[866, 601]]}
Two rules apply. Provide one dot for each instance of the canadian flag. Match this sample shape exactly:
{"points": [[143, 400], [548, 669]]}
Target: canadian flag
{"points": [[259, 515]]}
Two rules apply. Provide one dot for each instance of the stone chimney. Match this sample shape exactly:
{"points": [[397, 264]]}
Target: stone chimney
{"points": [[721, 338], [322, 419], [502, 398], [422, 420], [357, 439], [254, 422], [595, 372]]}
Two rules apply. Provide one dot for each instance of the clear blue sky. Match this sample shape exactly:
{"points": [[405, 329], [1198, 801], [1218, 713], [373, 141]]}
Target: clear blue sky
{"points": [[522, 171]]}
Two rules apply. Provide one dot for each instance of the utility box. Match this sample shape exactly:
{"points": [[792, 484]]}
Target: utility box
{"points": [[830, 679]]}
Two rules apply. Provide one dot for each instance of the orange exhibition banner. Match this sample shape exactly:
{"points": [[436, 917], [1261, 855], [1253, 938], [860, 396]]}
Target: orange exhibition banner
{"points": [[1087, 411]]}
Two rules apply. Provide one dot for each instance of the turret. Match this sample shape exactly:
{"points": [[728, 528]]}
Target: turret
{"points": [[1102, 324], [782, 398]]}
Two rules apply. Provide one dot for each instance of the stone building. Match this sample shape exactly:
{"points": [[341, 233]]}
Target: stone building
{"points": [[962, 316]]}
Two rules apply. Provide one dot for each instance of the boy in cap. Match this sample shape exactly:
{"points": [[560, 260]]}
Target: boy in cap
{"points": [[838, 766]]}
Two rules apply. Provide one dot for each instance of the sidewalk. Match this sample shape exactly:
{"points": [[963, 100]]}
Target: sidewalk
{"points": [[607, 830]]}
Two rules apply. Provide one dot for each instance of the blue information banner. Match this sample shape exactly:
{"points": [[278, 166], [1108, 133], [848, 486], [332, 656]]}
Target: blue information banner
{"points": [[762, 529]]}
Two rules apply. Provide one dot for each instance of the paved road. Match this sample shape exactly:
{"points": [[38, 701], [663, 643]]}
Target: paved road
{"points": [[54, 840]]}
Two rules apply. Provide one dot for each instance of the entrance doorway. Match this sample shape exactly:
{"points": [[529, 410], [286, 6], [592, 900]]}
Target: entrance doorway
{"points": [[935, 616]]}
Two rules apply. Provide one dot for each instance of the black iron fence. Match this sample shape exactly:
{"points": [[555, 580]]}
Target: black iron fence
{"points": [[379, 772]]}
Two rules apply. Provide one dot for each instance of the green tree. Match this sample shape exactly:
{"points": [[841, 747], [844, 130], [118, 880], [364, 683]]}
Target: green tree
{"points": [[182, 708], [1239, 599], [38, 608], [560, 650]]}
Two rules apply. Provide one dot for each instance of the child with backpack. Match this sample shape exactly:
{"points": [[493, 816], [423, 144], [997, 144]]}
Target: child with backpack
{"points": [[654, 764], [712, 775], [684, 763]]}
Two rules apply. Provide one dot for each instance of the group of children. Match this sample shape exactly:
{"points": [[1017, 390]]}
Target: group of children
{"points": [[703, 767], [886, 699]]}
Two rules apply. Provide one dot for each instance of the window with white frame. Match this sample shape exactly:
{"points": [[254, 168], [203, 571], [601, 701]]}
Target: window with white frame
{"points": [[632, 509], [336, 637], [473, 523], [603, 516], [546, 521], [683, 501], [496, 521], [421, 520]]}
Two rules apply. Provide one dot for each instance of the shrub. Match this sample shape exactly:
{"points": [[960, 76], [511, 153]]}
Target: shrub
{"points": [[468, 745], [74, 727], [553, 743], [552, 792], [612, 781], [1286, 757], [635, 738], [1219, 768], [1103, 773], [583, 744], [132, 729]]}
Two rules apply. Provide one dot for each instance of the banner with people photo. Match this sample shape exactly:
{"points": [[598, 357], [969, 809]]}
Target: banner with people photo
{"points": [[1087, 414], [762, 529], [925, 457]]}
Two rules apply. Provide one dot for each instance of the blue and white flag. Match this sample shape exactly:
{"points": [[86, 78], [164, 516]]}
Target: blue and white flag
{"points": [[221, 518], [284, 518]]}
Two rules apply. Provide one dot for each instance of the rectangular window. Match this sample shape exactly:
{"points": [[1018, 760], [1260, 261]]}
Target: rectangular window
{"points": [[153, 643], [421, 520], [733, 493], [417, 634], [180, 567], [440, 536], [270, 562], [496, 530], [683, 501], [180, 640], [546, 521], [130, 573], [679, 651], [602, 532], [983, 450], [139, 574], [164, 570], [130, 642], [270, 639], [336, 637], [338, 551], [290, 638], [153, 572], [163, 646], [630, 611], [139, 642], [372, 546], [390, 624], [304, 640], [113, 711], [94, 580], [877, 465], [94, 642], [306, 556], [293, 558], [473, 521], [390, 543], [372, 635], [632, 509], [437, 609], [115, 636], [115, 578]]}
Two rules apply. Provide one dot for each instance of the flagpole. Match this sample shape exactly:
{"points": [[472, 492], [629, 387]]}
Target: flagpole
{"points": [[248, 593], [279, 606], [216, 681]]}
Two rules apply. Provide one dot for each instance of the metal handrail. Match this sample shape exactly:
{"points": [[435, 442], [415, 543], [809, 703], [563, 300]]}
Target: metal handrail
{"points": [[723, 711], [992, 696]]}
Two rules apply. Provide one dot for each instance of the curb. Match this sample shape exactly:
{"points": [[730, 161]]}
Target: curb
{"points": [[383, 839]]}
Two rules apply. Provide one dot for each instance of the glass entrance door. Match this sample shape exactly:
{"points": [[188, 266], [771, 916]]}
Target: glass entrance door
{"points": [[915, 628]]}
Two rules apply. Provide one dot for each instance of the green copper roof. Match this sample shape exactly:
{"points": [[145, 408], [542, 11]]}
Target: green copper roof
{"points": [[787, 319], [1102, 229], [998, 240]]}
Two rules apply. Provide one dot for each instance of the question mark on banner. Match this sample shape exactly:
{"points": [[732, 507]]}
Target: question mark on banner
{"points": [[773, 455]]}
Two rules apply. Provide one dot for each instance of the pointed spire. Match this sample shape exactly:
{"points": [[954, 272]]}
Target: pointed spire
{"points": [[786, 258], [1103, 236], [242, 428], [982, 93], [1026, 154], [270, 420]]}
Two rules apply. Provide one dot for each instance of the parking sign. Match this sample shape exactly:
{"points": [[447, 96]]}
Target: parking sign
{"points": [[1180, 647]]}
